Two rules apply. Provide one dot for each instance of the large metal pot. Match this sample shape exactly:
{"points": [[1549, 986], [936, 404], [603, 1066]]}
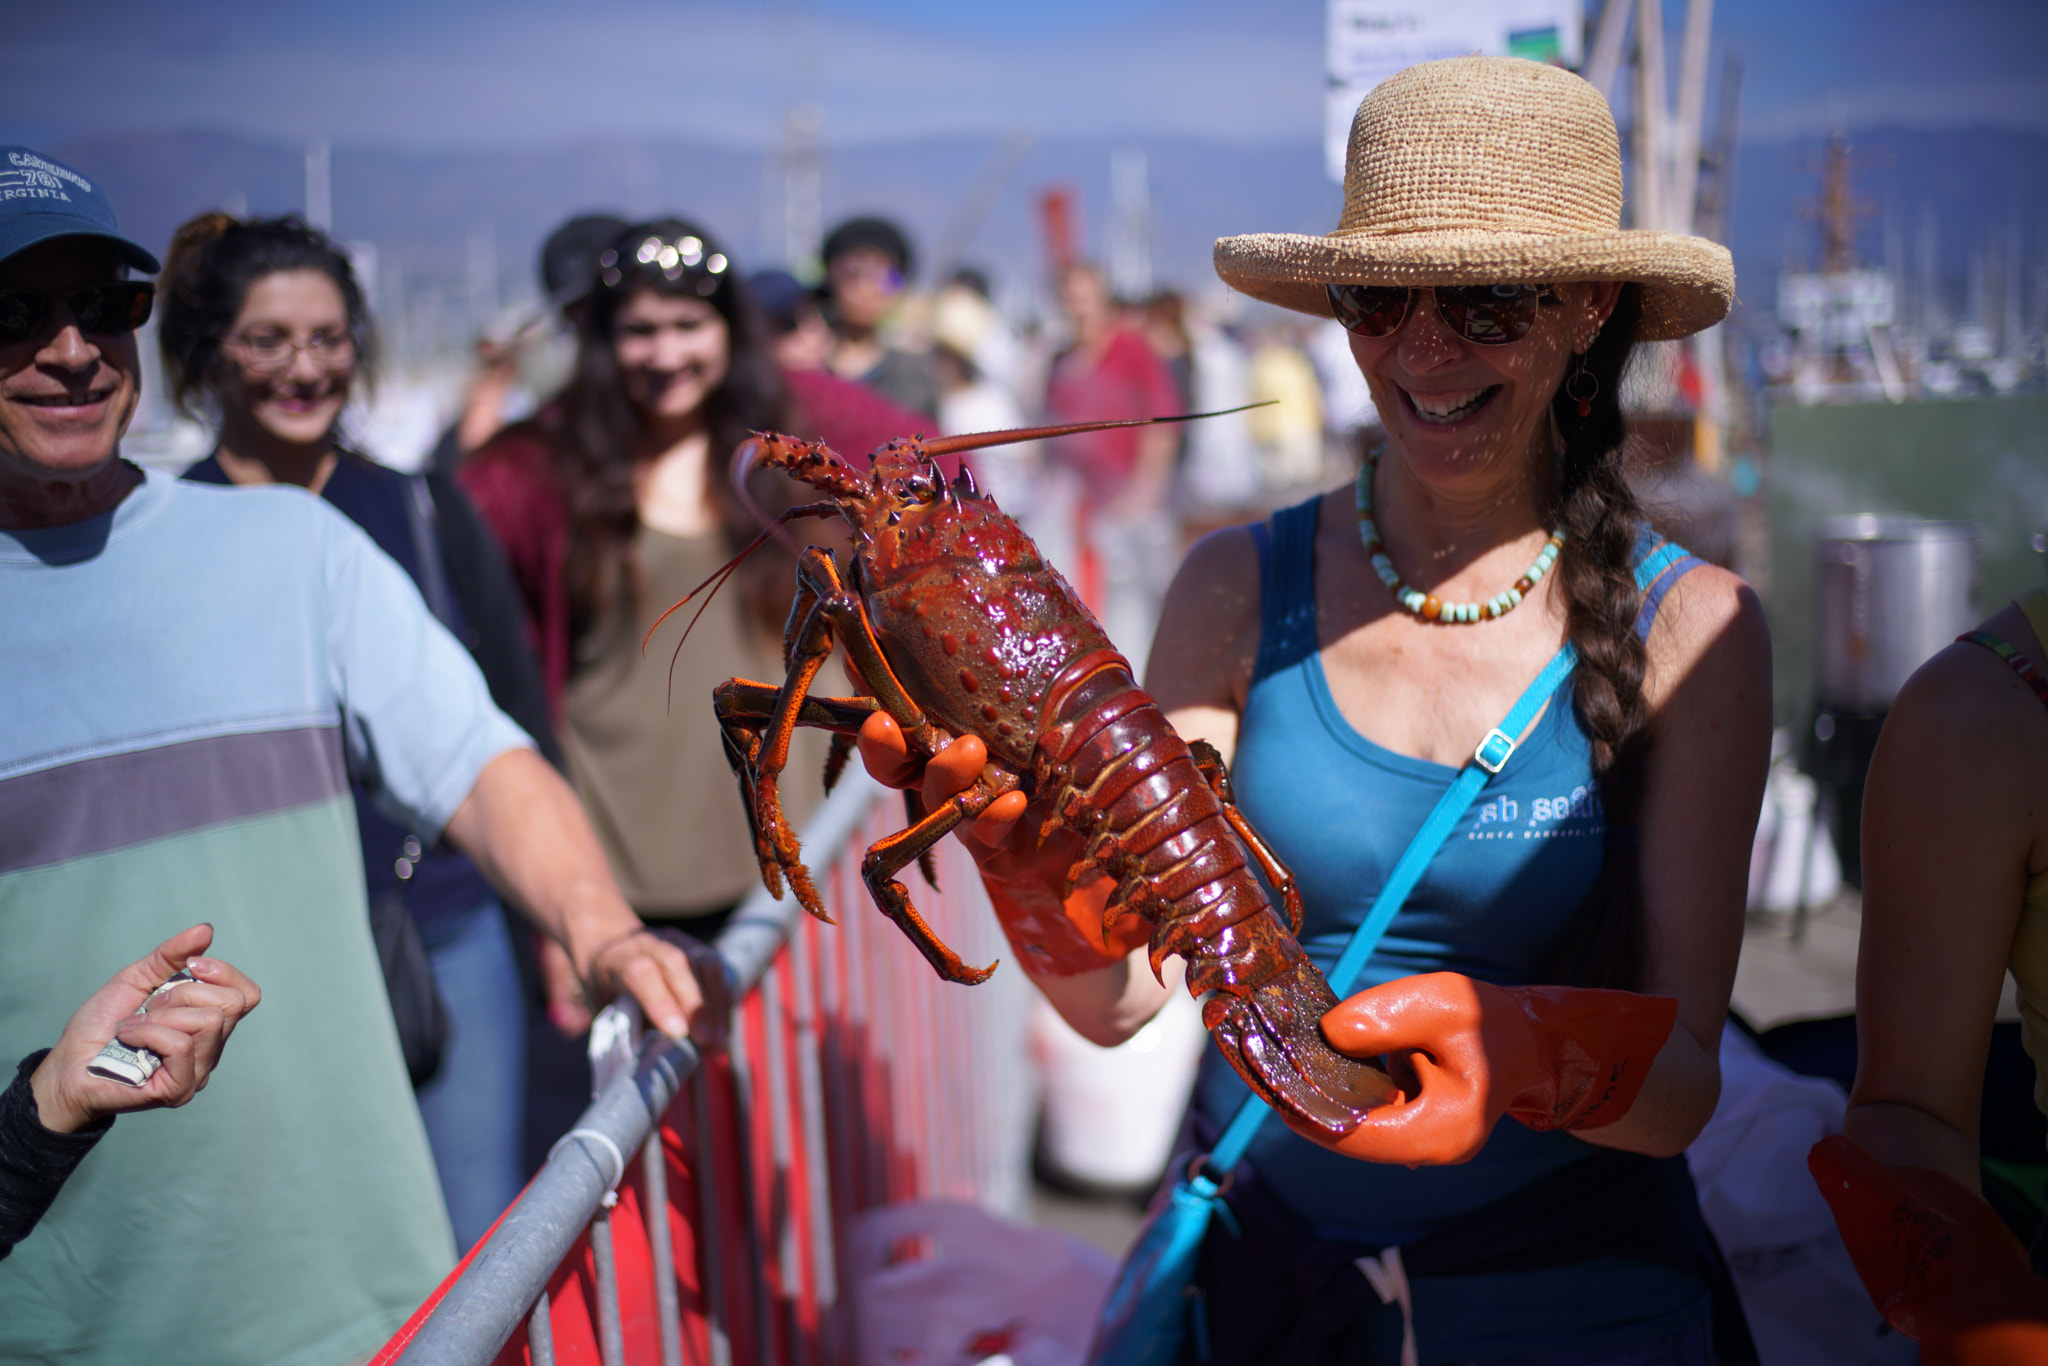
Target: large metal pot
{"points": [[1888, 593]]}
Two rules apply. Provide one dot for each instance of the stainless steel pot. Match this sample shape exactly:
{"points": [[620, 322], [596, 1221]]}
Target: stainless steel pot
{"points": [[1888, 593]]}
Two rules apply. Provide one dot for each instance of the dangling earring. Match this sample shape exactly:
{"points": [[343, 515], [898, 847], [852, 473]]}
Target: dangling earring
{"points": [[1592, 387]]}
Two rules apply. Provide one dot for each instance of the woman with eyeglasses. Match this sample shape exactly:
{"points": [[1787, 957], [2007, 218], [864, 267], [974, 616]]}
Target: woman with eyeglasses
{"points": [[1567, 956], [264, 330], [615, 501]]}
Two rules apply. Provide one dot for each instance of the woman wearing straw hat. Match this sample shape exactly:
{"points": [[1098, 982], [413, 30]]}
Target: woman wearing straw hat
{"points": [[1351, 655]]}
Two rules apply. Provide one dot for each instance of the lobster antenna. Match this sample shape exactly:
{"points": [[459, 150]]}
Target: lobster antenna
{"points": [[724, 572], [974, 441]]}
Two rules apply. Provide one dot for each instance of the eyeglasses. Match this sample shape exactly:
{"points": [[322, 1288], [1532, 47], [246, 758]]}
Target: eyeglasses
{"points": [[273, 353], [119, 307], [671, 258], [1490, 315]]}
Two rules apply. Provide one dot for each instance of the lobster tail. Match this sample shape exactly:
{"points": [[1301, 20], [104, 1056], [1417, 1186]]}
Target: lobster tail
{"points": [[1162, 829]]}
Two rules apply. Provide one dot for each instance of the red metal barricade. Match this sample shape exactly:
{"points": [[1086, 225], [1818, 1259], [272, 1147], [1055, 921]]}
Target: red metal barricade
{"points": [[854, 1078]]}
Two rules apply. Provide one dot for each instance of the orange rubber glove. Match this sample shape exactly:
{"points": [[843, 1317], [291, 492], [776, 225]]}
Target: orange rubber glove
{"points": [[1939, 1264], [1057, 935], [1465, 1052]]}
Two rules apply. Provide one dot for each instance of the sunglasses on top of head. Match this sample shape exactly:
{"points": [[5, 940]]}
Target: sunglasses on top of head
{"points": [[1489, 315], [685, 257], [121, 307]]}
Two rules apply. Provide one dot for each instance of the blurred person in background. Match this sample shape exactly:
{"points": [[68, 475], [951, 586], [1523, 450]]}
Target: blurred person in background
{"points": [[568, 269], [1164, 323], [1955, 895], [1220, 470], [193, 677], [1113, 486], [264, 329], [800, 338], [1288, 434], [971, 401], [998, 353], [618, 500], [57, 1109], [867, 268]]}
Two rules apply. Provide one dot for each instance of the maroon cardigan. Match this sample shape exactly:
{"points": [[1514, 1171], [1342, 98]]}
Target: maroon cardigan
{"points": [[511, 479]]}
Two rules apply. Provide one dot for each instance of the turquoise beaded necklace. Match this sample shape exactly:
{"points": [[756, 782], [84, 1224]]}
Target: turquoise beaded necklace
{"points": [[1428, 606]]}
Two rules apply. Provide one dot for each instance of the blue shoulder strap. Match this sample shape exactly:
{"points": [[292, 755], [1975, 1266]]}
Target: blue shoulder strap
{"points": [[1287, 588], [1491, 756], [1659, 564]]}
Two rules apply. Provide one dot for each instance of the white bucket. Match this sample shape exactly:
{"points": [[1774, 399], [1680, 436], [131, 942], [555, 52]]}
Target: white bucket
{"points": [[1110, 1114]]}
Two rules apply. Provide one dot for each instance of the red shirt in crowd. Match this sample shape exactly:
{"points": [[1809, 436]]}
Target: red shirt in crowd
{"points": [[1126, 380]]}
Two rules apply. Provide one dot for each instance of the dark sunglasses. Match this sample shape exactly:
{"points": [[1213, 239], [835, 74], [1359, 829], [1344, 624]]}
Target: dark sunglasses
{"points": [[102, 308], [1490, 315]]}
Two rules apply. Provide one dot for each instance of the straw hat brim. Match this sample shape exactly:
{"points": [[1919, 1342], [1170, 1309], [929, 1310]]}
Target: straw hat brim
{"points": [[1688, 283]]}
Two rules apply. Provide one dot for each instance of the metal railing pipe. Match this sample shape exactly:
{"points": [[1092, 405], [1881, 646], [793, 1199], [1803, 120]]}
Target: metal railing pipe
{"points": [[482, 1310]]}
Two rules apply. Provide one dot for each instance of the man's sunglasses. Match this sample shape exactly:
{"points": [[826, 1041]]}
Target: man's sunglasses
{"points": [[1490, 315], [119, 307]]}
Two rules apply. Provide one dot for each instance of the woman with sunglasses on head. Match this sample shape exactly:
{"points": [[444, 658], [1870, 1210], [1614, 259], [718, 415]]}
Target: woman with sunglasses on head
{"points": [[1567, 955], [618, 499], [264, 329]]}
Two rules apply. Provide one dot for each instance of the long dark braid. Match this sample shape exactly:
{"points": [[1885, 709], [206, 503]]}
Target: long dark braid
{"points": [[1603, 520]]}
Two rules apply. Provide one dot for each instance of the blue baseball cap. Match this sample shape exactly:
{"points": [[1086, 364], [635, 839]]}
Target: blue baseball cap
{"points": [[41, 198]]}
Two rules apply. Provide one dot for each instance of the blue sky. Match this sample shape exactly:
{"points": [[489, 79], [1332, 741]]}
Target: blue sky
{"points": [[469, 74]]}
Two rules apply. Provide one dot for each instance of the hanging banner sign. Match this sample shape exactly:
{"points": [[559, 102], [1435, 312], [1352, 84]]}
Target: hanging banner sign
{"points": [[1372, 39]]}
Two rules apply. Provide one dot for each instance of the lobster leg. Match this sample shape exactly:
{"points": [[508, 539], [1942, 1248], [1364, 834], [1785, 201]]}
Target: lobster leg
{"points": [[822, 605], [1210, 765], [746, 704], [889, 856], [744, 707]]}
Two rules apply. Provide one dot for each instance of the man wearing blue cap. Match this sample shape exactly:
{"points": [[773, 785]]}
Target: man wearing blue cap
{"points": [[191, 677]]}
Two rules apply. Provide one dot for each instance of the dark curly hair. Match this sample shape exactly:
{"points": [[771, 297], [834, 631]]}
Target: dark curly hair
{"points": [[212, 263], [599, 435]]}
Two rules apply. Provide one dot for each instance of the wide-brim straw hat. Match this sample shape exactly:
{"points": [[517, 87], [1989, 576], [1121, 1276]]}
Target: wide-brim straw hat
{"points": [[1485, 170]]}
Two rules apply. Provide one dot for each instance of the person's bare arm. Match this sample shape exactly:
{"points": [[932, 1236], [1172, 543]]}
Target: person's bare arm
{"points": [[1952, 818], [529, 835], [1709, 689]]}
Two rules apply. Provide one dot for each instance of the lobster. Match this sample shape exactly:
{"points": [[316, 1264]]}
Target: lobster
{"points": [[958, 626]]}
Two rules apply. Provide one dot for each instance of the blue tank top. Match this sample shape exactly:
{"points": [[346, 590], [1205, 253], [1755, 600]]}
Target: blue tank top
{"points": [[1340, 810]]}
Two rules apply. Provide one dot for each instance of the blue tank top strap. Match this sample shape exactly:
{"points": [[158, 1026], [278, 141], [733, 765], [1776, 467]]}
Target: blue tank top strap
{"points": [[1659, 564], [1287, 588]]}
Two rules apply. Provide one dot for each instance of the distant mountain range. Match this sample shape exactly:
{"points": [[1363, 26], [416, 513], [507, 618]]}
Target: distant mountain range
{"points": [[423, 211]]}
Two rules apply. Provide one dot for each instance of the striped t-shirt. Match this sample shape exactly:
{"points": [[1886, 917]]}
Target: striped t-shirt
{"points": [[186, 684]]}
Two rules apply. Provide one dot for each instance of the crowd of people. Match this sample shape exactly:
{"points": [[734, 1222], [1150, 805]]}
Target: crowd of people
{"points": [[392, 741], [1110, 509]]}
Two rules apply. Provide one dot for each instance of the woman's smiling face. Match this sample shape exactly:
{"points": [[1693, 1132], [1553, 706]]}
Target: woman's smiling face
{"points": [[673, 352], [1455, 407], [299, 401]]}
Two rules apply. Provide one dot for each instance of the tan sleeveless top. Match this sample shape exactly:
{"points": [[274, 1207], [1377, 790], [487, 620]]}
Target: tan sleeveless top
{"points": [[2029, 962], [645, 753]]}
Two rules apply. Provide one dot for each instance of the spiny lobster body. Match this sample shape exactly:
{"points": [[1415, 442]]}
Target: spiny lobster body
{"points": [[960, 627]]}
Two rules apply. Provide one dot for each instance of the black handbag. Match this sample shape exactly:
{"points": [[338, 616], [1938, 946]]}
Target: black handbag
{"points": [[416, 1005]]}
